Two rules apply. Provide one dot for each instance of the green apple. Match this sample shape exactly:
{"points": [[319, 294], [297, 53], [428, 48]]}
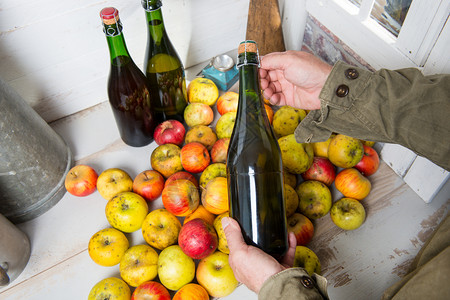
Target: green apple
{"points": [[286, 119], [111, 288], [175, 269], [225, 125], [307, 259], [216, 276], [348, 213], [139, 264], [314, 199], [126, 211], [296, 157], [212, 171]]}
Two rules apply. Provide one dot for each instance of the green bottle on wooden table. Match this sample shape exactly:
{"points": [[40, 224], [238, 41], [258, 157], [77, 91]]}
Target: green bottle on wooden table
{"points": [[128, 90], [254, 166], [163, 67]]}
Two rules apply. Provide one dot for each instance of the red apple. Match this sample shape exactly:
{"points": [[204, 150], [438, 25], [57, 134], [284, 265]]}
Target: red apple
{"points": [[198, 239], [149, 184], [369, 163], [321, 170], [219, 150], [182, 175], [194, 157], [352, 184], [150, 290], [169, 132], [81, 180], [302, 227], [227, 102], [181, 197]]}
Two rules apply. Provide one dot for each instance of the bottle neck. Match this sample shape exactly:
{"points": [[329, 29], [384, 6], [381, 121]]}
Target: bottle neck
{"points": [[116, 43], [155, 24], [249, 87]]}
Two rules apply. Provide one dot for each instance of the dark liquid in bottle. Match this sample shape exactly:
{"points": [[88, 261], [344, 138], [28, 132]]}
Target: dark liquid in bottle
{"points": [[129, 97]]}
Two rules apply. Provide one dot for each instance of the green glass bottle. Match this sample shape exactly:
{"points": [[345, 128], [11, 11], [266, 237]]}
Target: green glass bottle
{"points": [[163, 67], [254, 166], [128, 90]]}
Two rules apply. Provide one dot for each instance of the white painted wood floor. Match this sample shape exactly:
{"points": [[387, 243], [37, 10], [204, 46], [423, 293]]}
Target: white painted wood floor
{"points": [[358, 265]]}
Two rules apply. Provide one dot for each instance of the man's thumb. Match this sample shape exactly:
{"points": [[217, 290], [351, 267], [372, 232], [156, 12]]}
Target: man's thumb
{"points": [[233, 233]]}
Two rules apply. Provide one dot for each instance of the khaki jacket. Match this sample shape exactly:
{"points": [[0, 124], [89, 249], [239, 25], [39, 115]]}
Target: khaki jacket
{"points": [[402, 107]]}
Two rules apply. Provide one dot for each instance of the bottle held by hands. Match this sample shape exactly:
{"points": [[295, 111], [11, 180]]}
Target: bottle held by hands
{"points": [[128, 90], [163, 67], [254, 166]]}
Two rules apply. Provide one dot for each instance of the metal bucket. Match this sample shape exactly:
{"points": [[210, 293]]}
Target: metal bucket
{"points": [[34, 160]]}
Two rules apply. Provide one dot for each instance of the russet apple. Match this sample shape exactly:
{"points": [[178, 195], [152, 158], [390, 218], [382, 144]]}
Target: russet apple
{"points": [[197, 239], [181, 197], [219, 151], [81, 180], [194, 157], [138, 265], [228, 102], [296, 157], [345, 151], [198, 114], [351, 183], [286, 120], [110, 288], [225, 125], [369, 163], [149, 184], [166, 159], [175, 268], [321, 170], [202, 213], [216, 276], [113, 181], [215, 196], [302, 227], [290, 200], [191, 291], [126, 211], [107, 246], [212, 171], [169, 132], [150, 290], [348, 213], [223, 244], [314, 199], [307, 259], [181, 175], [160, 228], [201, 134]]}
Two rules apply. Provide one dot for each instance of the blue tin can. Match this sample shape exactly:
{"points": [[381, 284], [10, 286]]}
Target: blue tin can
{"points": [[222, 71]]}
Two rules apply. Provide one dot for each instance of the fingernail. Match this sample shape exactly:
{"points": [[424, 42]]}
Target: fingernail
{"points": [[225, 222]]}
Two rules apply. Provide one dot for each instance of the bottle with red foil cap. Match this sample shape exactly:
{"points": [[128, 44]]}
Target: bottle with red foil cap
{"points": [[128, 90]]}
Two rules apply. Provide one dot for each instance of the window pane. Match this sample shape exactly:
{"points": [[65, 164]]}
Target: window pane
{"points": [[356, 2], [390, 13]]}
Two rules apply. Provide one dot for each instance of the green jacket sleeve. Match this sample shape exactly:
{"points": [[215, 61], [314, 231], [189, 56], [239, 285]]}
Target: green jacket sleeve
{"points": [[294, 283], [402, 107]]}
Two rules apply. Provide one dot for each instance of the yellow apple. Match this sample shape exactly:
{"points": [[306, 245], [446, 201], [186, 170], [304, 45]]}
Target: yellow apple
{"points": [[111, 288], [215, 275], [201, 134], [307, 259], [286, 119], [290, 200], [126, 211], [212, 171], [175, 269], [314, 198], [139, 264], [202, 90], [160, 228], [166, 159], [113, 181], [321, 148], [107, 246], [348, 213], [223, 244], [225, 125], [290, 178], [345, 151], [296, 157]]}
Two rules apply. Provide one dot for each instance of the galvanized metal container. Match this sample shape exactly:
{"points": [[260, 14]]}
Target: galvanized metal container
{"points": [[34, 160]]}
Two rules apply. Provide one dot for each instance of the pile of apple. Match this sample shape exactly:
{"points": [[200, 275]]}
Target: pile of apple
{"points": [[186, 250]]}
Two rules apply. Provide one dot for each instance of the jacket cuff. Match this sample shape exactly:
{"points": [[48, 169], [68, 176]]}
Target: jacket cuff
{"points": [[343, 87], [294, 283]]}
